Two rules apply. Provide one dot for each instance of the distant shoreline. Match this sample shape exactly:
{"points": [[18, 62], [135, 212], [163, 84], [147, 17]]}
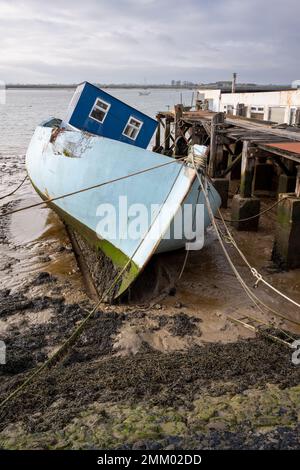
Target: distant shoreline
{"points": [[73, 86], [240, 88]]}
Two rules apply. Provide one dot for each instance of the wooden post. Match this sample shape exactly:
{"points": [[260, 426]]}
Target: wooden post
{"points": [[157, 136], [297, 118], [297, 190], [198, 105], [216, 149], [243, 205], [178, 108], [247, 170], [194, 139], [167, 134]]}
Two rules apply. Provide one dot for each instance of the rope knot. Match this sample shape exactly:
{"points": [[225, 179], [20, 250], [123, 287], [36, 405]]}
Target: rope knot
{"points": [[258, 277]]}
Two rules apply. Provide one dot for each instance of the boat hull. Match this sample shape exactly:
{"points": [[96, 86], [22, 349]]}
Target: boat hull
{"points": [[62, 161]]}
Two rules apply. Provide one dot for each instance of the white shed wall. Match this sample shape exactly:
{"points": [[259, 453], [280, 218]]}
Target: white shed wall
{"points": [[218, 101]]}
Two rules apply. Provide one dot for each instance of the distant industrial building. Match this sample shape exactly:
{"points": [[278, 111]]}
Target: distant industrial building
{"points": [[296, 84], [226, 85], [281, 106], [183, 84]]}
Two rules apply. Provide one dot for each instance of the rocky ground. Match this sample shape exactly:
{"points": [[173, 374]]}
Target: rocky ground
{"points": [[171, 373]]}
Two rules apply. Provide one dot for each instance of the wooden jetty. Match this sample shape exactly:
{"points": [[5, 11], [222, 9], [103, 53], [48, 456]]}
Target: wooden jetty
{"points": [[264, 157]]}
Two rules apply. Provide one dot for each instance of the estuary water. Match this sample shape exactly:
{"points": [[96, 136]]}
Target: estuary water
{"points": [[25, 109]]}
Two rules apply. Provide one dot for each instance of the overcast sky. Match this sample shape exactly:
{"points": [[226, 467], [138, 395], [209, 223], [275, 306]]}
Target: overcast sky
{"points": [[157, 40]]}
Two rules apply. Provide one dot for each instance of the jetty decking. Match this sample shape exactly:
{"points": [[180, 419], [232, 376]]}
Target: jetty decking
{"points": [[262, 156]]}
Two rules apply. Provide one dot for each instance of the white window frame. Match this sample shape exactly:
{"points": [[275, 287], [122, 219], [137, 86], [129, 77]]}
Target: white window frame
{"points": [[95, 106], [128, 123]]}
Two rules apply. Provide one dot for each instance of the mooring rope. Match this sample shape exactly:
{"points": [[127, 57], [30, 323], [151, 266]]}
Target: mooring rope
{"points": [[16, 189], [258, 302], [188, 251], [56, 198], [256, 215], [69, 341], [66, 343], [254, 272]]}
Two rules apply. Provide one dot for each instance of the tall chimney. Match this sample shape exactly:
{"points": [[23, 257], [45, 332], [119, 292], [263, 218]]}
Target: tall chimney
{"points": [[233, 82]]}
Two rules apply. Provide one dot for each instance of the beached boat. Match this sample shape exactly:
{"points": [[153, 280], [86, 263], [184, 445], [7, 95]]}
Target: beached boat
{"points": [[122, 200], [66, 161]]}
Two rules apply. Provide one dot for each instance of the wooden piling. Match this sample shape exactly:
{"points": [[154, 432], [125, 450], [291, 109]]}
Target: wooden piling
{"points": [[167, 136], [247, 169], [157, 135], [178, 109], [216, 148], [198, 105], [297, 190]]}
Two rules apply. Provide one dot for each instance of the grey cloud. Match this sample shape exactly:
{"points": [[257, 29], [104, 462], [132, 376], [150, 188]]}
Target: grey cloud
{"points": [[127, 40]]}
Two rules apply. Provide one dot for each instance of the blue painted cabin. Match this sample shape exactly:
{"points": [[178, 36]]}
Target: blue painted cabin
{"points": [[93, 110]]}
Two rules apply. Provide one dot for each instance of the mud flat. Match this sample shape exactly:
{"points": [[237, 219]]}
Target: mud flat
{"points": [[171, 372], [243, 394]]}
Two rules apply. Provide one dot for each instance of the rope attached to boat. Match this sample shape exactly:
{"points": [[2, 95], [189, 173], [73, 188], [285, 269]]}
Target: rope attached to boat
{"points": [[258, 302], [259, 278], [268, 209], [188, 251], [254, 272], [16, 189], [68, 342], [56, 198]]}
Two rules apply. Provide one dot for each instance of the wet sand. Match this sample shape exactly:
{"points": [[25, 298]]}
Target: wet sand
{"points": [[169, 372]]}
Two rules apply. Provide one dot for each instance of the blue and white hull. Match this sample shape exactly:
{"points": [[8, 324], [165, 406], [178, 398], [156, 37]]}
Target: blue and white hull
{"points": [[61, 161]]}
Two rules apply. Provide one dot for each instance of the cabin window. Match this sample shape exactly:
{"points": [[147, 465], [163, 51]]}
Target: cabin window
{"points": [[99, 110], [132, 128]]}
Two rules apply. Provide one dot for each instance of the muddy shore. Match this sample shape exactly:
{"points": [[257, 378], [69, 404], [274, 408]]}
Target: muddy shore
{"points": [[171, 372]]}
